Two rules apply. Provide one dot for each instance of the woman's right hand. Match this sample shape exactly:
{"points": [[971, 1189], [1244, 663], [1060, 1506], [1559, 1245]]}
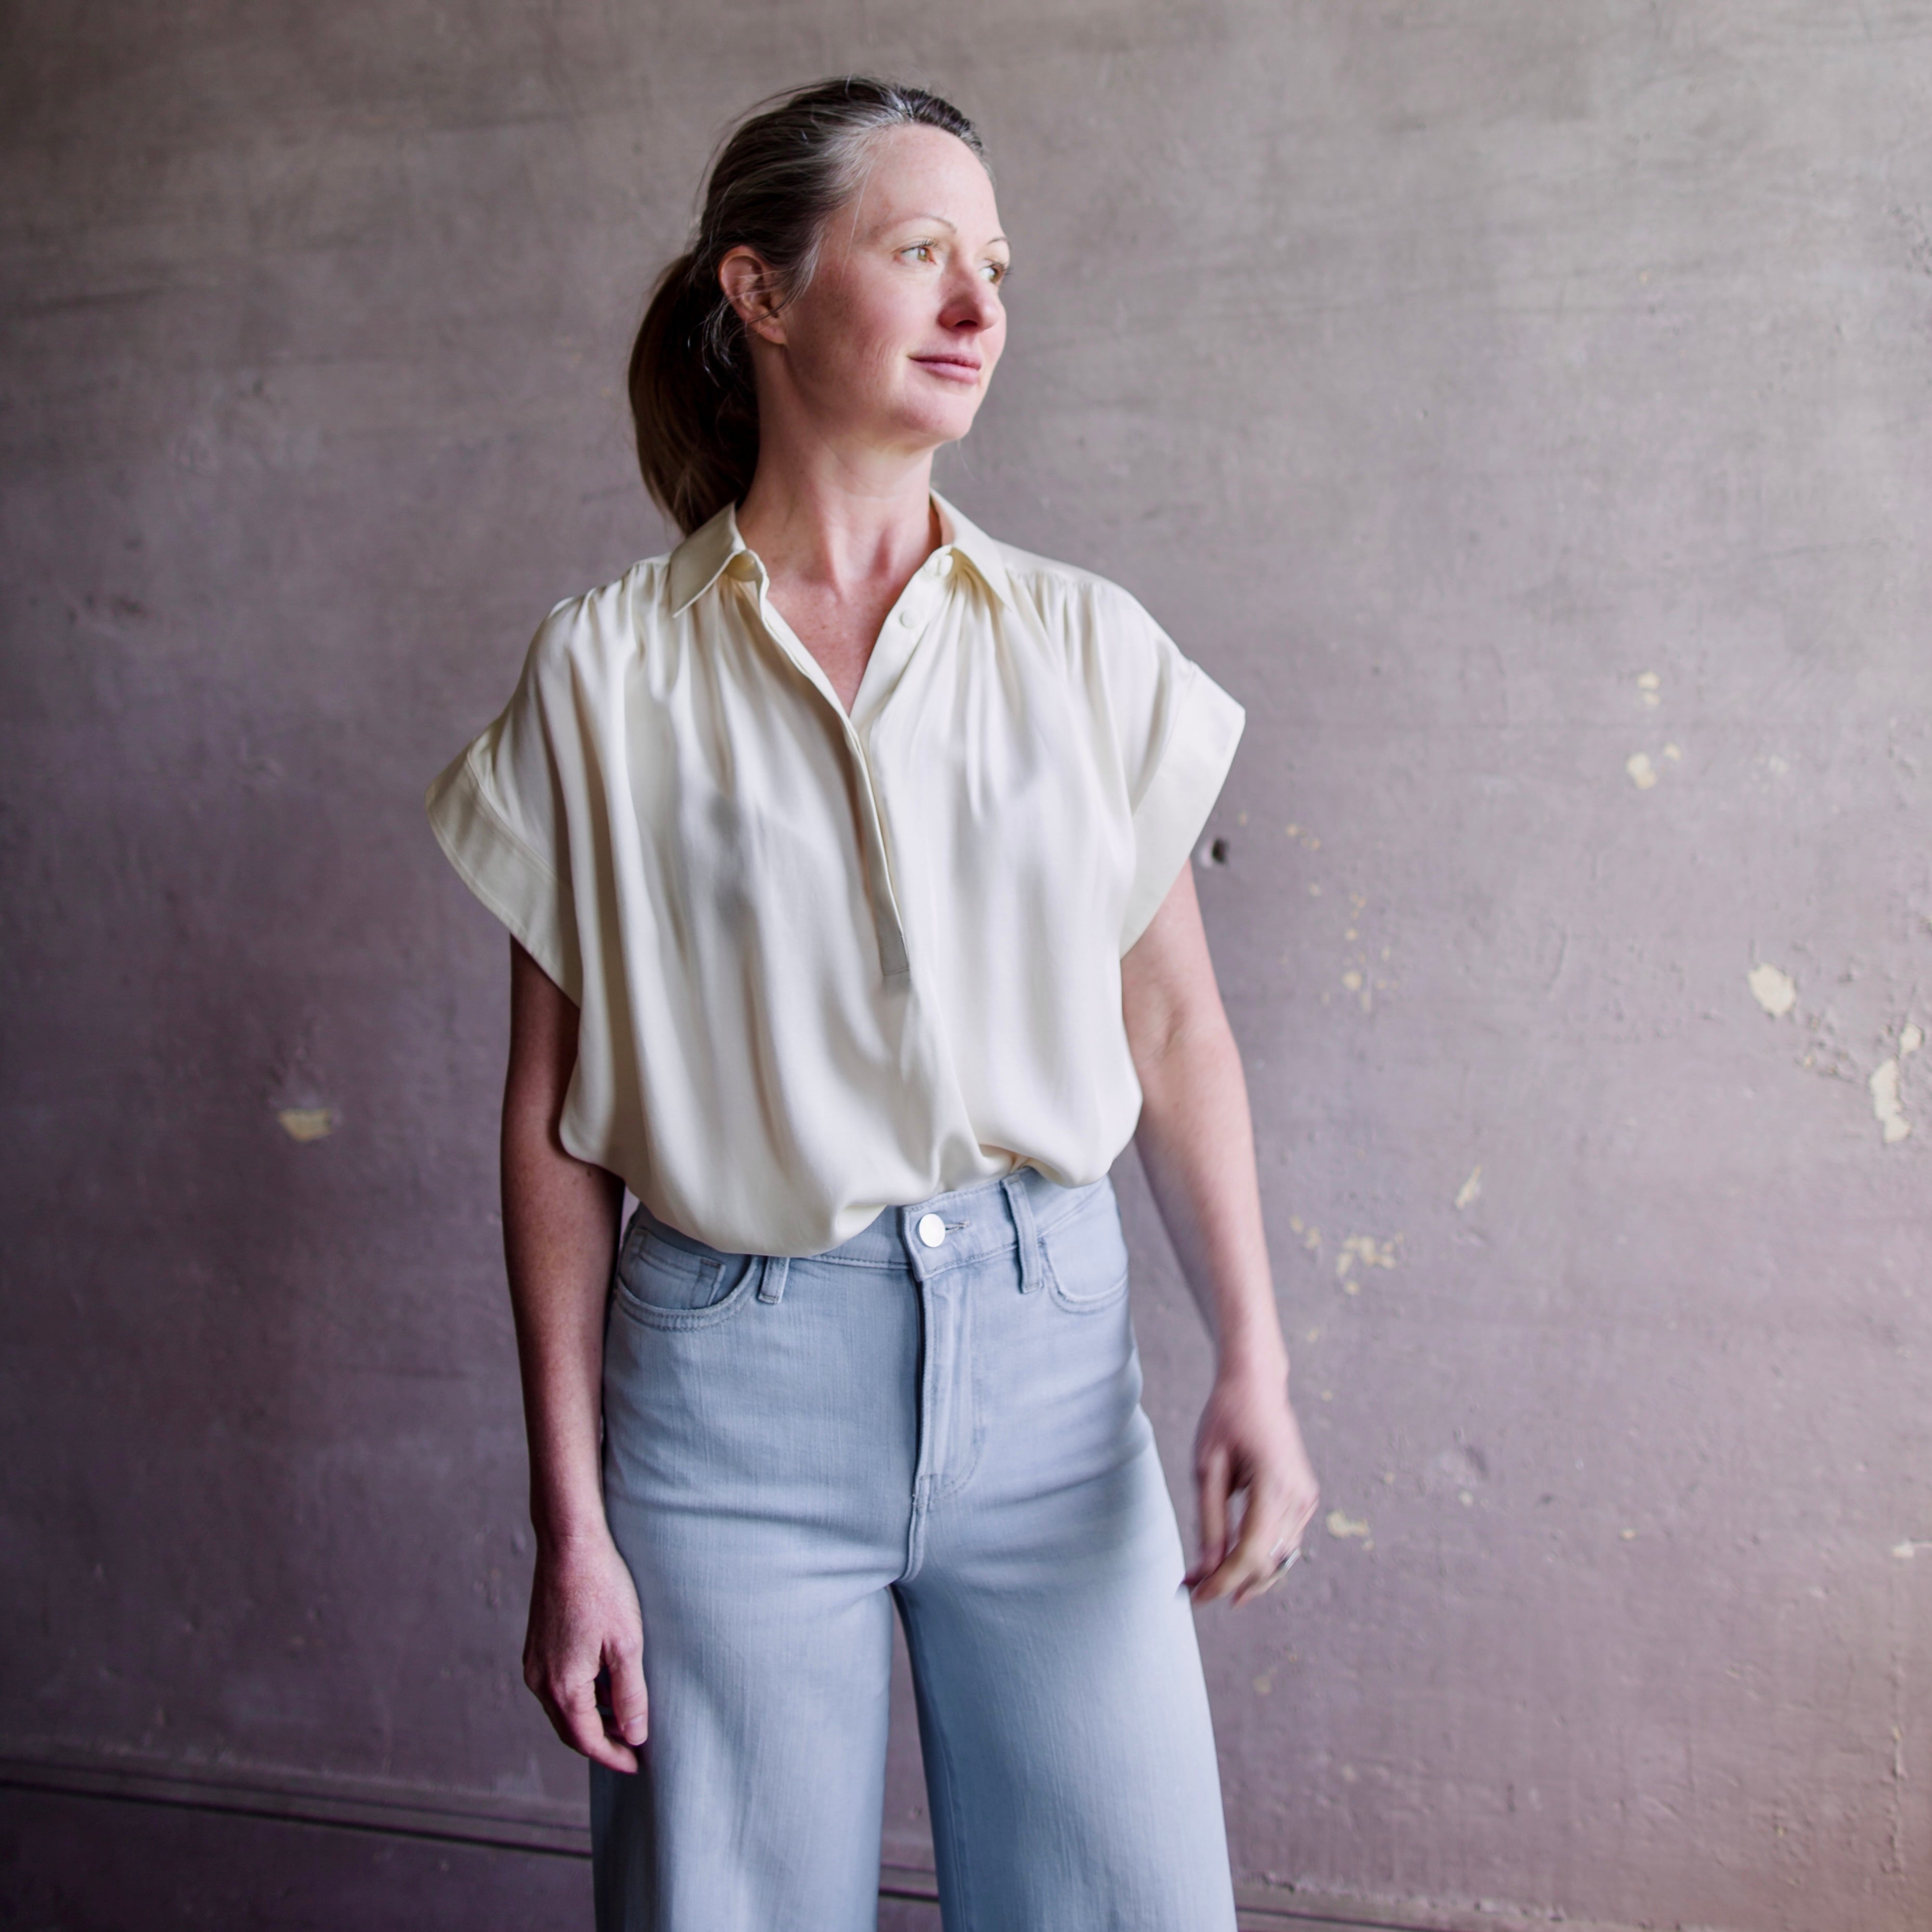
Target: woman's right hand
{"points": [[585, 1622]]}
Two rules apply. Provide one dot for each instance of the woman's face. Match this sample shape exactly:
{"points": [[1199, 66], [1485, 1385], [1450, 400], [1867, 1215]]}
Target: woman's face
{"points": [[893, 343]]}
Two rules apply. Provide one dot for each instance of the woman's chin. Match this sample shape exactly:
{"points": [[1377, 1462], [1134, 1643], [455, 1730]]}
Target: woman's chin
{"points": [[925, 425]]}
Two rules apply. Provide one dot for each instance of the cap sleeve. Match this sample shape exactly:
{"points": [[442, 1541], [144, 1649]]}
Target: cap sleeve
{"points": [[1177, 732], [499, 811]]}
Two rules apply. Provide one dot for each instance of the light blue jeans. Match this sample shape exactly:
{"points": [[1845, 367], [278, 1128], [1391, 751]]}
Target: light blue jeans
{"points": [[943, 1412]]}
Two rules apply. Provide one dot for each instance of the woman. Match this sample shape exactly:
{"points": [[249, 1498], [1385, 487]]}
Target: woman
{"points": [[844, 852]]}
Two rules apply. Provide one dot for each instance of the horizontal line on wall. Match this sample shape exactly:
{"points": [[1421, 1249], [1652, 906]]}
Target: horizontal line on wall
{"points": [[554, 1828], [468, 1818]]}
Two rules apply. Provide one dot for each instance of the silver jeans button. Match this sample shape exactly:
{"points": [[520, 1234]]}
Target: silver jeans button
{"points": [[931, 1230]]}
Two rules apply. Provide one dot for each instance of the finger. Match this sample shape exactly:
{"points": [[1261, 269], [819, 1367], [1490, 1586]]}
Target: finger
{"points": [[1253, 1556], [581, 1725], [1212, 1478], [630, 1703], [1302, 1512], [1303, 1499], [1227, 1573]]}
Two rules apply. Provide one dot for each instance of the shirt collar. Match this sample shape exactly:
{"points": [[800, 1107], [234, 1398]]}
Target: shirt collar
{"points": [[703, 557], [978, 549], [698, 562]]}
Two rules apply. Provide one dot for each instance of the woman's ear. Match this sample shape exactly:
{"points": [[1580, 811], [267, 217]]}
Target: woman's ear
{"points": [[753, 292]]}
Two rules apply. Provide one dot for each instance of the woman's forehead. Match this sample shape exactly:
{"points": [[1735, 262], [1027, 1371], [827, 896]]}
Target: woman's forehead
{"points": [[916, 174]]}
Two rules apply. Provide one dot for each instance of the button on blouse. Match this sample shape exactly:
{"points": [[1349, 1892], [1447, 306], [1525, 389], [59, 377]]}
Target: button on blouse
{"points": [[824, 963]]}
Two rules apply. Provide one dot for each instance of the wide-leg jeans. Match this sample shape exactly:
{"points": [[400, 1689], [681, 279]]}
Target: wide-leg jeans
{"points": [[944, 1412]]}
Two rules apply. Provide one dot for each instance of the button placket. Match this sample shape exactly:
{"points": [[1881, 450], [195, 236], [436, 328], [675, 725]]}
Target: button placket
{"points": [[889, 928]]}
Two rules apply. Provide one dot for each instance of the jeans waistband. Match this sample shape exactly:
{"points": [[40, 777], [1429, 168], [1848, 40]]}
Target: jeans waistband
{"points": [[986, 1219]]}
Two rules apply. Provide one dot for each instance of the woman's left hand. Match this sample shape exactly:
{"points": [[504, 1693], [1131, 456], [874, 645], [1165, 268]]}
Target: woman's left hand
{"points": [[1248, 1444]]}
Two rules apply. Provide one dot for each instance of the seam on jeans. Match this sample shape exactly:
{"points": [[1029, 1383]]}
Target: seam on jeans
{"points": [[1085, 1304], [647, 1314], [915, 1549], [976, 1442], [953, 1484]]}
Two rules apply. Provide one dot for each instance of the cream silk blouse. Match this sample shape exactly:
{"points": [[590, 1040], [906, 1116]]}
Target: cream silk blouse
{"points": [[828, 964]]}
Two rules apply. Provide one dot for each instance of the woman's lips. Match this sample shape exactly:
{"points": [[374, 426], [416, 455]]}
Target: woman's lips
{"points": [[953, 369]]}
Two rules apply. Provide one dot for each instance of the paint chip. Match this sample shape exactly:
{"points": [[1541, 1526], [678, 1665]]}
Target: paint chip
{"points": [[1910, 1039], [1885, 1107], [1352, 980], [1366, 1249], [1642, 772], [1777, 992], [1342, 1525], [307, 1123], [1673, 752], [1628, 1535], [1647, 684], [1467, 1193]]}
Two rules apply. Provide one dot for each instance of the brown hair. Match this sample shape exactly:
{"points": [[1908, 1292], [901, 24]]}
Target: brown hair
{"points": [[779, 175]]}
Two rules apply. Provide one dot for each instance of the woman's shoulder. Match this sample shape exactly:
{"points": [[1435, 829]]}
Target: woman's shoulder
{"points": [[588, 629], [1075, 604]]}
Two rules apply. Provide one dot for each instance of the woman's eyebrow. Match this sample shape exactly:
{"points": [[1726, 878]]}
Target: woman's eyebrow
{"points": [[939, 221]]}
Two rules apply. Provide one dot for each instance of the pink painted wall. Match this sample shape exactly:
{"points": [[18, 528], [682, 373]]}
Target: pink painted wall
{"points": [[1525, 410]]}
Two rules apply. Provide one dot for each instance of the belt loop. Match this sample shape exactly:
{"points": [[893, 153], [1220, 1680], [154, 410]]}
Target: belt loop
{"points": [[773, 1269], [1020, 1204]]}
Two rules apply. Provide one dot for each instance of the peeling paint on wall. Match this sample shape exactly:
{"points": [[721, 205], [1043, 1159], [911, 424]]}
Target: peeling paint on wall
{"points": [[1893, 1125], [1342, 1527], [1369, 1251], [1777, 992], [307, 1124]]}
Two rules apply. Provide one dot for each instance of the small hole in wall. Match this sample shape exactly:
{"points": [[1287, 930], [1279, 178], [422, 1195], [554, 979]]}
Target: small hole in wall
{"points": [[1215, 853]]}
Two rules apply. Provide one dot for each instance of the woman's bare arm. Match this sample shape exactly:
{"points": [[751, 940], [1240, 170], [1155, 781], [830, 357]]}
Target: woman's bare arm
{"points": [[1196, 1143], [559, 1233]]}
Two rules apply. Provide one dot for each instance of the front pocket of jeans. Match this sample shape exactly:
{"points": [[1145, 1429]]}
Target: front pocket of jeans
{"points": [[1086, 1256], [669, 1287]]}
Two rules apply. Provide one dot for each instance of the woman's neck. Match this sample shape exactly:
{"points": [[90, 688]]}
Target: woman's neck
{"points": [[839, 540], [835, 528]]}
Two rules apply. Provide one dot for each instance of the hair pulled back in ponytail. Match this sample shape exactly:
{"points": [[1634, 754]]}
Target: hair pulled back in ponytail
{"points": [[780, 175]]}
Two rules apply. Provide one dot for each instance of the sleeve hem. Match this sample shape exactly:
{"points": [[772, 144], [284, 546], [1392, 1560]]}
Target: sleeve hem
{"points": [[1193, 766], [504, 875]]}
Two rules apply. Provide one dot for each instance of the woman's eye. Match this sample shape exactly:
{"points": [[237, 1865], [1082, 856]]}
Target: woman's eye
{"points": [[997, 271], [922, 249]]}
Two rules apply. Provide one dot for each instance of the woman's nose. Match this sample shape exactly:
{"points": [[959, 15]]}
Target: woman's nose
{"points": [[974, 304]]}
